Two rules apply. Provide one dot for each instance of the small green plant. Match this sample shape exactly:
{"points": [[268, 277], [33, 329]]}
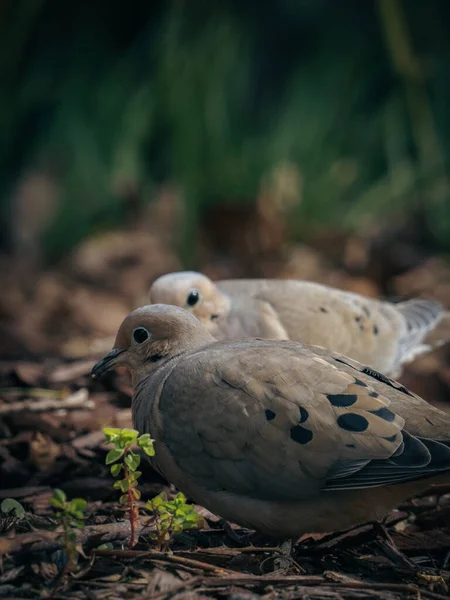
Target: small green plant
{"points": [[70, 514], [9, 506], [172, 517], [123, 440]]}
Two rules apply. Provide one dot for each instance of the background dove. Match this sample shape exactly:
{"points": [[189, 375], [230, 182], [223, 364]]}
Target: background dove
{"points": [[377, 333], [276, 435]]}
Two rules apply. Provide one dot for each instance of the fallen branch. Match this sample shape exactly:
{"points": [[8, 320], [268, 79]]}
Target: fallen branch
{"points": [[307, 581], [172, 558], [79, 399], [91, 536]]}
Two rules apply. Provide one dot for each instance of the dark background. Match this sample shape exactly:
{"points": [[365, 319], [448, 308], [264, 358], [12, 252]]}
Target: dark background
{"points": [[305, 138]]}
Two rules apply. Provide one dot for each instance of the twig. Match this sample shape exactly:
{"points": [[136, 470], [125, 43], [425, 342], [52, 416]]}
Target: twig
{"points": [[180, 560], [313, 580], [79, 399], [92, 536], [35, 392]]}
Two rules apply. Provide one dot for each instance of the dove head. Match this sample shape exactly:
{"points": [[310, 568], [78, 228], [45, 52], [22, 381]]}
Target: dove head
{"points": [[194, 292], [151, 335]]}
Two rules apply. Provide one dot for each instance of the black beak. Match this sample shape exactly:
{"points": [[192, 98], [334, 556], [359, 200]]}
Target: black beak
{"points": [[106, 363]]}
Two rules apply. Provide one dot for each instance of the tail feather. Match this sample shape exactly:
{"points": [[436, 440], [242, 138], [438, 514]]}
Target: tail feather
{"points": [[421, 317]]}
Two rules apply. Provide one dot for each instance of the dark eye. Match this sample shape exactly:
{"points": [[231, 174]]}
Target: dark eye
{"points": [[193, 297], [140, 334]]}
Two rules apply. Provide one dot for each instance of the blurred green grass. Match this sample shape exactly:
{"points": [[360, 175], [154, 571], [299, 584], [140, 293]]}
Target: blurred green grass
{"points": [[212, 96]]}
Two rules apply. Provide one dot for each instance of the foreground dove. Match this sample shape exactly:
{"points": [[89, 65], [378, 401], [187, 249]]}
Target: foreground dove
{"points": [[276, 436], [380, 334]]}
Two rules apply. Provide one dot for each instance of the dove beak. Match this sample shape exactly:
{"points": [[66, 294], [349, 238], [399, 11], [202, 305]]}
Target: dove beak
{"points": [[106, 363]]}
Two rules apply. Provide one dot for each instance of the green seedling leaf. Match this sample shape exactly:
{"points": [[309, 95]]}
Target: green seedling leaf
{"points": [[111, 433], [113, 455], [133, 476], [78, 504], [128, 436], [153, 504], [123, 499], [149, 450], [136, 493], [145, 441], [59, 497], [132, 461], [9, 505], [115, 469], [124, 485], [76, 523]]}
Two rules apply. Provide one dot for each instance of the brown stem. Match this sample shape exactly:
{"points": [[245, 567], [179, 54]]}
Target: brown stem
{"points": [[131, 506]]}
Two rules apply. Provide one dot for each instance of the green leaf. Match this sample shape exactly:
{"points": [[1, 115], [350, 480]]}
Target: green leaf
{"points": [[149, 450], [9, 505], [136, 493], [134, 475], [111, 433], [78, 504], [113, 455], [145, 441], [59, 497], [124, 485], [123, 499], [77, 523], [128, 436], [132, 461], [153, 504], [115, 469]]}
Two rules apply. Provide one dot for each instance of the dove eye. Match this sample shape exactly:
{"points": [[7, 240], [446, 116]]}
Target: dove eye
{"points": [[140, 334], [193, 297]]}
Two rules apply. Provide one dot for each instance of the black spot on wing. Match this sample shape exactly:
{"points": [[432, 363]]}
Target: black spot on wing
{"points": [[342, 399], [270, 415], [373, 394], [304, 414], [353, 422], [324, 310], [384, 413], [375, 330], [366, 311], [359, 382], [301, 435], [429, 421], [357, 319]]}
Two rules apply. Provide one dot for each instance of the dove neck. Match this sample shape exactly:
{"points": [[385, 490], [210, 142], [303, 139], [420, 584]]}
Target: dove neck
{"points": [[157, 363]]}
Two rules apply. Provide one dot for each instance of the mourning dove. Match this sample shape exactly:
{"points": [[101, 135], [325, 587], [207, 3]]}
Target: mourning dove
{"points": [[380, 334], [276, 436]]}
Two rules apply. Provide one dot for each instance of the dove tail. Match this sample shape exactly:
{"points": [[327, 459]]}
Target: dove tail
{"points": [[421, 317]]}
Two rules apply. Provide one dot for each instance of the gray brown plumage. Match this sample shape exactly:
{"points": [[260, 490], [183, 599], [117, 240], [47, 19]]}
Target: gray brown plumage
{"points": [[275, 435], [377, 333]]}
